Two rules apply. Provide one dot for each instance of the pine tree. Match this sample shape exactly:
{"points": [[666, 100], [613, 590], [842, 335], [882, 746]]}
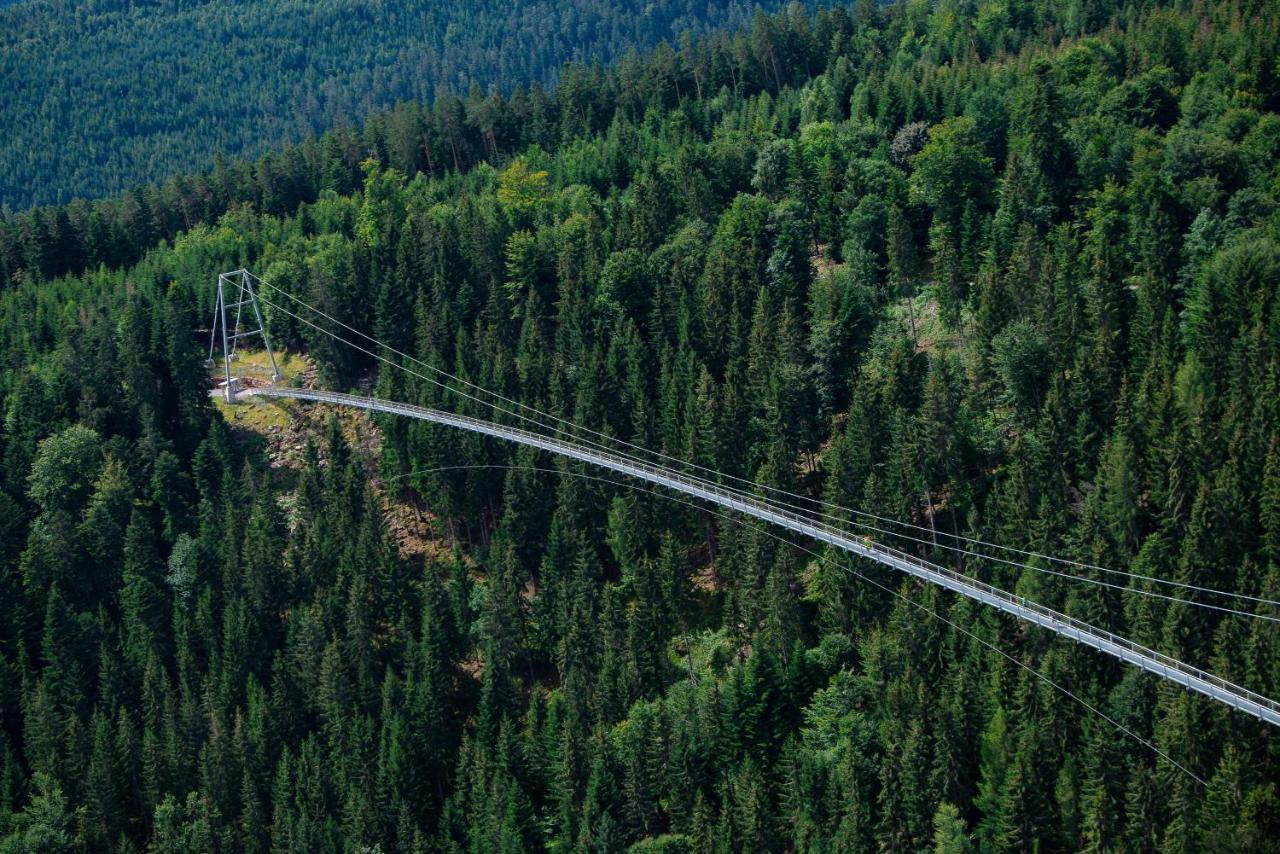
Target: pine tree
{"points": [[500, 638], [949, 836], [104, 817], [142, 596]]}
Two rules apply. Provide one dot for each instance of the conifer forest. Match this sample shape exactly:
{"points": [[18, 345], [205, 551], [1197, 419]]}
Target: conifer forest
{"points": [[1000, 278]]}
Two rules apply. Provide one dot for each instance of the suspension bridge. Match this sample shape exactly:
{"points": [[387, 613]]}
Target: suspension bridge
{"points": [[774, 512]]}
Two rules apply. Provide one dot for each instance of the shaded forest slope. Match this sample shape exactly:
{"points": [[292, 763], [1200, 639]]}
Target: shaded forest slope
{"points": [[106, 95], [1044, 314]]}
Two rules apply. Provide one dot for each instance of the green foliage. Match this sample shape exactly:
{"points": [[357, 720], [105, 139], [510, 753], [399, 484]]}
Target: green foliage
{"points": [[949, 835], [952, 168], [64, 469], [296, 72], [848, 255], [521, 189], [1020, 357], [46, 824]]}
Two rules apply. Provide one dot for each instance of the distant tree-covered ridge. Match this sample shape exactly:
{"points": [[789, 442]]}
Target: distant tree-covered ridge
{"points": [[451, 134], [104, 95], [1004, 271]]}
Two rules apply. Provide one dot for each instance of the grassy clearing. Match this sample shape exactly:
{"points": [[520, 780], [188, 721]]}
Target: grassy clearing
{"points": [[258, 416], [931, 332], [263, 417]]}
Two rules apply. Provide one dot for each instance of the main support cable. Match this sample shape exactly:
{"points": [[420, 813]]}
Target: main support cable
{"points": [[838, 520], [572, 430], [1165, 666]]}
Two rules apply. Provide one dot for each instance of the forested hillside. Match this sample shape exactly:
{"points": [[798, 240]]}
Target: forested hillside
{"points": [[105, 95], [1003, 270]]}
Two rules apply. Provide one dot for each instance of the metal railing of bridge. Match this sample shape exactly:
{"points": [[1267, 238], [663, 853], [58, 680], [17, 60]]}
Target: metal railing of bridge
{"points": [[1167, 667]]}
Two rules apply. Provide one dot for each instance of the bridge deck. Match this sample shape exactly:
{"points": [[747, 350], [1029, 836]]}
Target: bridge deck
{"points": [[1162, 665]]}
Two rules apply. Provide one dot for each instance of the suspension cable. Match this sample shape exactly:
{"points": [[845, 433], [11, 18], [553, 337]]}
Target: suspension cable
{"points": [[788, 504], [857, 524], [1130, 590]]}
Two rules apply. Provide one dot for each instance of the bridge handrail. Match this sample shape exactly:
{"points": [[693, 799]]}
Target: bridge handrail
{"points": [[1017, 605]]}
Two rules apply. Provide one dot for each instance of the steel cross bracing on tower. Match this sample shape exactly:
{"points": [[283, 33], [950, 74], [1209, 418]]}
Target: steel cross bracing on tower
{"points": [[1162, 665], [231, 334]]}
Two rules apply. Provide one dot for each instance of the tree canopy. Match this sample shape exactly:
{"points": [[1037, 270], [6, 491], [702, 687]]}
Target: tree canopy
{"points": [[1003, 271]]}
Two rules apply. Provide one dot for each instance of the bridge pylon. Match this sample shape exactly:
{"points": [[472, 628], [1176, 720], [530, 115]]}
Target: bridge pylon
{"points": [[235, 291]]}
